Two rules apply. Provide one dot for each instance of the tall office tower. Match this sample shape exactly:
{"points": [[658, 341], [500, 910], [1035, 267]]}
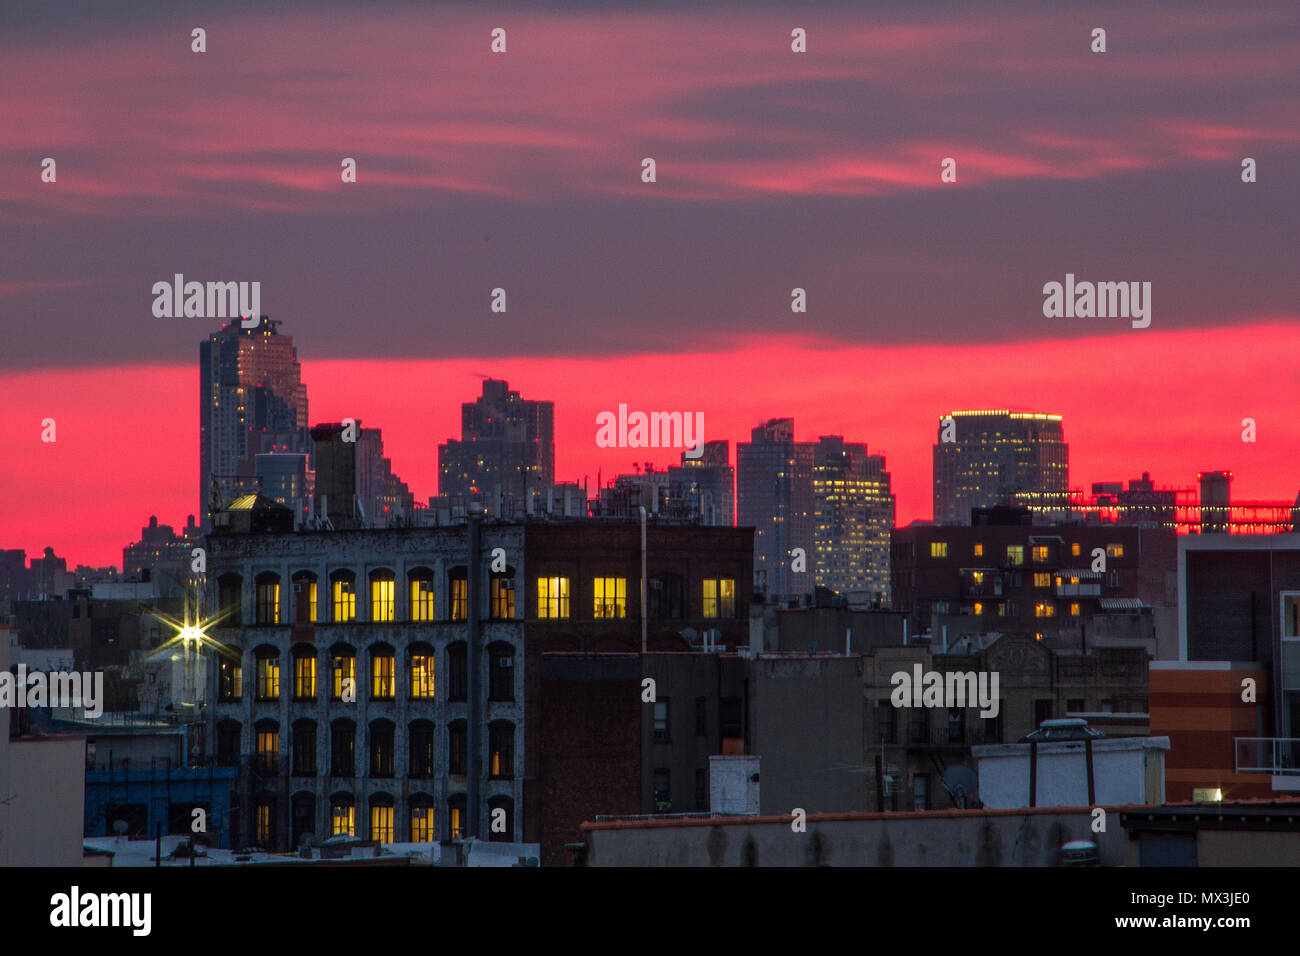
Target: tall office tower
{"points": [[355, 484], [854, 515], [775, 498], [705, 486], [1216, 501], [506, 450], [987, 458], [250, 384]]}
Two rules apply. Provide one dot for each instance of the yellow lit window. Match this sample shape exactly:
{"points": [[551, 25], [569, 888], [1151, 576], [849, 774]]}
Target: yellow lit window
{"points": [[268, 678], [503, 599], [1074, 549], [1040, 553], [1042, 580], [268, 603], [345, 669], [457, 828], [341, 820], [311, 600], [1074, 608], [979, 550], [1044, 609], [1015, 554], [345, 601], [553, 597], [719, 597], [460, 599], [268, 743], [381, 599], [422, 830], [304, 677], [263, 823], [382, 682], [422, 677], [232, 681], [421, 599], [977, 577], [1114, 550], [979, 607], [610, 598], [381, 824], [938, 549]]}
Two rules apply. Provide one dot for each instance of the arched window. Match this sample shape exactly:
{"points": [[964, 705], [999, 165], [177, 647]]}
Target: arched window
{"points": [[268, 747], [458, 588], [381, 748], [420, 586], [303, 811], [501, 671], [383, 590], [502, 584], [268, 598], [456, 817], [343, 672], [457, 671], [343, 743], [381, 818], [342, 815], [501, 750], [228, 742], [230, 674], [344, 596], [420, 665], [304, 672], [268, 672], [230, 600], [304, 749], [383, 677], [457, 748], [421, 749], [304, 598], [422, 819]]}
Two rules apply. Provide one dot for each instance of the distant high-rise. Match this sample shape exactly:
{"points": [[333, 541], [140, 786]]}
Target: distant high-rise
{"points": [[250, 386], [775, 497], [506, 449], [854, 515], [354, 483], [987, 458], [706, 485]]}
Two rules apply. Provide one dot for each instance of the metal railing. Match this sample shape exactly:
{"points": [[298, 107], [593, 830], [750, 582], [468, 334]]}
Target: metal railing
{"points": [[1278, 755]]}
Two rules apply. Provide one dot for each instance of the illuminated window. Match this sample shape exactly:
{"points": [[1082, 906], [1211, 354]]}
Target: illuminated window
{"points": [[501, 750], [382, 590], [345, 597], [421, 597], [268, 599], [503, 596], [422, 823], [341, 819], [383, 684], [553, 598], [381, 824], [1040, 553], [1044, 609], [610, 598], [1074, 549], [456, 822], [265, 834], [268, 678], [979, 550], [232, 680], [459, 595], [304, 677], [1015, 554], [1114, 550], [422, 676], [268, 747], [345, 673], [977, 577], [938, 549], [1042, 580], [719, 597], [979, 607], [1074, 609]]}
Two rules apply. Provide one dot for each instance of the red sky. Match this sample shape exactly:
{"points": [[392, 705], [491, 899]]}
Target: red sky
{"points": [[1127, 401]]}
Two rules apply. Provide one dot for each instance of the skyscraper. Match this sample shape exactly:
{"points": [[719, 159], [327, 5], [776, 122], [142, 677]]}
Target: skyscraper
{"points": [[775, 497], [854, 515], [706, 485], [250, 385], [506, 450], [354, 483], [987, 458]]}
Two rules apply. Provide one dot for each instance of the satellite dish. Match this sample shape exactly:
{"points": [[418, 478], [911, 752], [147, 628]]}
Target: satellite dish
{"points": [[689, 633], [961, 783]]}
